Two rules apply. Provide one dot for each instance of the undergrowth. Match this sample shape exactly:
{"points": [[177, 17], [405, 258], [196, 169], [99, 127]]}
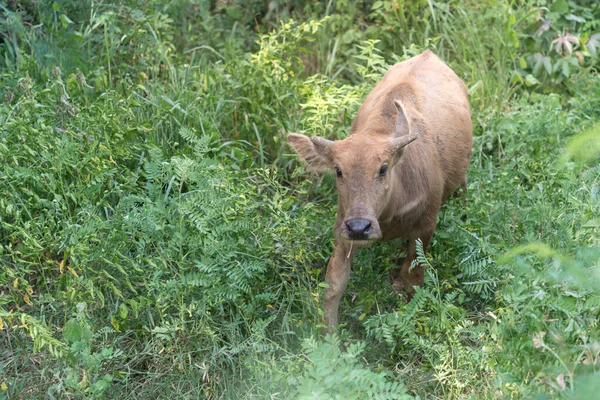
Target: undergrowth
{"points": [[158, 239]]}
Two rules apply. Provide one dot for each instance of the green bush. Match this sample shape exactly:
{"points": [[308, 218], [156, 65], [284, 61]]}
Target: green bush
{"points": [[95, 218]]}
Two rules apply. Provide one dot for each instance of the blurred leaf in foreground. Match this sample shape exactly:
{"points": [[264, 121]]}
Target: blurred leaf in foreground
{"points": [[583, 148]]}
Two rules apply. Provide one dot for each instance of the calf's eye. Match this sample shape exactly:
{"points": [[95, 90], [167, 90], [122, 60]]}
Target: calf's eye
{"points": [[338, 172], [383, 170]]}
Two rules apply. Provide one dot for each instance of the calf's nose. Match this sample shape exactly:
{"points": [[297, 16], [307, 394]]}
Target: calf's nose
{"points": [[359, 228]]}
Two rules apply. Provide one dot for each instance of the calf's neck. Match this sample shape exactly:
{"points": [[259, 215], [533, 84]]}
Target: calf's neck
{"points": [[407, 151]]}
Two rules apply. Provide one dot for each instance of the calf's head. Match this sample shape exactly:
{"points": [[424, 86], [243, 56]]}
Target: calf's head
{"points": [[364, 164]]}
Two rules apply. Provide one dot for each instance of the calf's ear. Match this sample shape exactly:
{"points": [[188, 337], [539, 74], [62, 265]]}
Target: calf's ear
{"points": [[403, 134], [402, 126], [398, 144], [316, 151]]}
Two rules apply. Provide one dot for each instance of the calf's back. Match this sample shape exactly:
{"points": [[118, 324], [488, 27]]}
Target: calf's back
{"points": [[437, 104]]}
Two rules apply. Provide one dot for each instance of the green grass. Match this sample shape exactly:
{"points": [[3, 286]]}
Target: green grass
{"points": [[157, 238]]}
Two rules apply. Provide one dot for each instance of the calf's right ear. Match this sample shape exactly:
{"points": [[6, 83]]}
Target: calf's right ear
{"points": [[316, 151]]}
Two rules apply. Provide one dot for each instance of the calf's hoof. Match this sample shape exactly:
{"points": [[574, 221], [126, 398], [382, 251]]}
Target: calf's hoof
{"points": [[400, 287]]}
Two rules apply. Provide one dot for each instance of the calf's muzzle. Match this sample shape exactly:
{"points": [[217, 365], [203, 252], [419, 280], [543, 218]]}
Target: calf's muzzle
{"points": [[358, 228]]}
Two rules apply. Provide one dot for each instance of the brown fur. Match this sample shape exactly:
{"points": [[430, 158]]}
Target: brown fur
{"points": [[417, 121]]}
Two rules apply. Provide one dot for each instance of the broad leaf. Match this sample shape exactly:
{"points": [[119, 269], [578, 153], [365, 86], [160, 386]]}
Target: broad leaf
{"points": [[560, 6], [72, 331], [593, 44]]}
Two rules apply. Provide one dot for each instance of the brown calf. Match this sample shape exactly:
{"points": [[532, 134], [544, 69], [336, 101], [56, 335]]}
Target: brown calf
{"points": [[407, 152]]}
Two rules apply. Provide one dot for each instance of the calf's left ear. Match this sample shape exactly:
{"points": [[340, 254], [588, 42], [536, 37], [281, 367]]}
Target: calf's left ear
{"points": [[316, 151], [402, 126], [403, 132]]}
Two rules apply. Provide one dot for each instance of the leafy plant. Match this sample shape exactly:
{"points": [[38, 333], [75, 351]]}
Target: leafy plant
{"points": [[561, 41], [338, 375]]}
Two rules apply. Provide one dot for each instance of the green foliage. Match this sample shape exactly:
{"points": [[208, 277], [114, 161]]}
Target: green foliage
{"points": [[432, 328], [148, 244], [561, 40], [583, 148], [339, 375], [157, 237]]}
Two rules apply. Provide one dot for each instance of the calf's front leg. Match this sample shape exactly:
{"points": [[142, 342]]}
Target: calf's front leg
{"points": [[337, 276]]}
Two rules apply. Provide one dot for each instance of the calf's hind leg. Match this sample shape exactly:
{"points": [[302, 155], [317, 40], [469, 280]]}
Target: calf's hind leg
{"points": [[395, 272], [405, 279]]}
